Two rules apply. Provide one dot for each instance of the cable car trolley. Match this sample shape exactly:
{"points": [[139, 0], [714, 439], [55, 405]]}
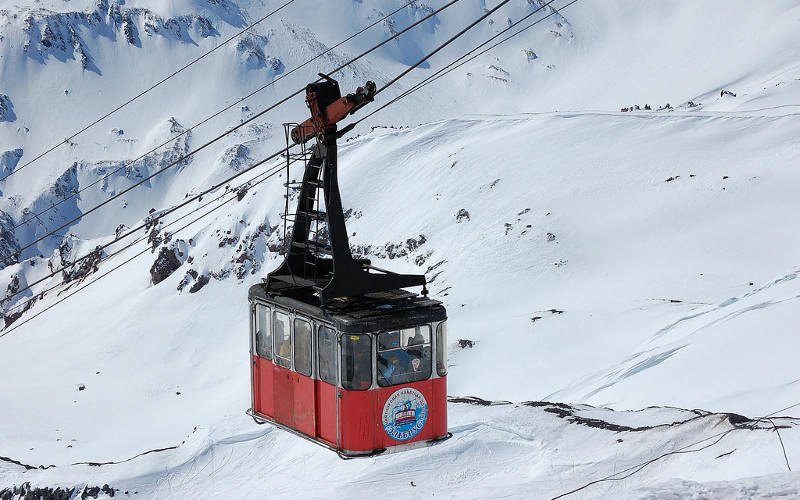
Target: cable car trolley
{"points": [[340, 353]]}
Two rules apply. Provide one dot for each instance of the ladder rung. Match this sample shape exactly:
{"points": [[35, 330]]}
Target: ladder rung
{"points": [[313, 214], [313, 246], [299, 184]]}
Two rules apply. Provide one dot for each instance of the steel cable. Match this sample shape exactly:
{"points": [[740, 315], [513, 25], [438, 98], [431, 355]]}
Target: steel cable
{"points": [[224, 134], [140, 94], [267, 175], [450, 67], [209, 118], [286, 150]]}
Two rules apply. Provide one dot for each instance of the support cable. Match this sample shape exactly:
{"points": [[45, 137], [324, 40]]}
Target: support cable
{"points": [[22, 304], [267, 175], [286, 149], [452, 65], [211, 117], [443, 45], [148, 223], [228, 132], [140, 94]]}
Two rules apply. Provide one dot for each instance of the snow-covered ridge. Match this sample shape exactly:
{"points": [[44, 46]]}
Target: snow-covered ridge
{"points": [[60, 35]]}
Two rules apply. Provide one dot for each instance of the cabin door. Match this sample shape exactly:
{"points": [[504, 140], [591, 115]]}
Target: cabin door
{"points": [[262, 357], [283, 378], [304, 419]]}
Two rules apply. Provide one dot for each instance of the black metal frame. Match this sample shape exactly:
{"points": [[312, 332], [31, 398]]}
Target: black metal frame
{"points": [[306, 264]]}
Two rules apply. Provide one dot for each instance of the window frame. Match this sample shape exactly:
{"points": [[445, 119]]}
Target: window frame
{"points": [[277, 358], [268, 309], [310, 326], [342, 364], [334, 352], [381, 380], [441, 348]]}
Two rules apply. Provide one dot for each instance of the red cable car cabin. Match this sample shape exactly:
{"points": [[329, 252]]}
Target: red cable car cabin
{"points": [[340, 353], [360, 377]]}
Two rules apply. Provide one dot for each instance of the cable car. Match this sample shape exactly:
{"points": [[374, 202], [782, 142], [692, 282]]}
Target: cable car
{"points": [[340, 352]]}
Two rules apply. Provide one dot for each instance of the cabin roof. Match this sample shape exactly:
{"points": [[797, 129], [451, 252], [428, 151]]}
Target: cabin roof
{"points": [[370, 313]]}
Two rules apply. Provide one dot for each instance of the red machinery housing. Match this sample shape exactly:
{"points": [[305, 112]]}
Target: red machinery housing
{"points": [[340, 353]]}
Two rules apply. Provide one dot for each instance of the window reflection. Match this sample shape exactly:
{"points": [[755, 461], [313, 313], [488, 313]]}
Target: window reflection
{"points": [[356, 362], [404, 356]]}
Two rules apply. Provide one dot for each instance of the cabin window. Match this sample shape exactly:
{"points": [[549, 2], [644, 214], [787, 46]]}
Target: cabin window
{"points": [[326, 351], [404, 356], [302, 347], [283, 339], [356, 362], [263, 339], [441, 349]]}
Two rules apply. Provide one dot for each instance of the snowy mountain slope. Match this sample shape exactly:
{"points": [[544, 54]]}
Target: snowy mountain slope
{"points": [[527, 450], [627, 243], [617, 259]]}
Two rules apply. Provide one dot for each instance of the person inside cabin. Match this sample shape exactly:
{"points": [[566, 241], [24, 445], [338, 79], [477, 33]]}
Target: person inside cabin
{"points": [[417, 339], [393, 365], [416, 350], [285, 349]]}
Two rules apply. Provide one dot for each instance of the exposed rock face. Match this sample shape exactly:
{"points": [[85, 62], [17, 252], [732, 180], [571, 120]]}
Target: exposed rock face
{"points": [[121, 174], [165, 264], [200, 283], [61, 34], [6, 109], [8, 243], [237, 157], [393, 250], [171, 256], [25, 490], [530, 54], [251, 48], [84, 268], [67, 183], [9, 159]]}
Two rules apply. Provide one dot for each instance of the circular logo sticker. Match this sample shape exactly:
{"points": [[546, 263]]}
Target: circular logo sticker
{"points": [[404, 414]]}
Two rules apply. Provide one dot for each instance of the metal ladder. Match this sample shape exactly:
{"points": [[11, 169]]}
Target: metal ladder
{"points": [[316, 245]]}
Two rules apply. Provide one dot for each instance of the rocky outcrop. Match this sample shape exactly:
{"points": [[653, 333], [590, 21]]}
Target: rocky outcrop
{"points": [[6, 109], [26, 491], [60, 35], [85, 267], [251, 49], [118, 175], [236, 157], [8, 243], [171, 257], [9, 159], [393, 250], [165, 264]]}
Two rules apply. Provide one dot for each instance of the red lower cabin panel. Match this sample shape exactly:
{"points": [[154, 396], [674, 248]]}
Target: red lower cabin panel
{"points": [[263, 386], [326, 411], [440, 395], [369, 420], [283, 395], [416, 412], [304, 401]]}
